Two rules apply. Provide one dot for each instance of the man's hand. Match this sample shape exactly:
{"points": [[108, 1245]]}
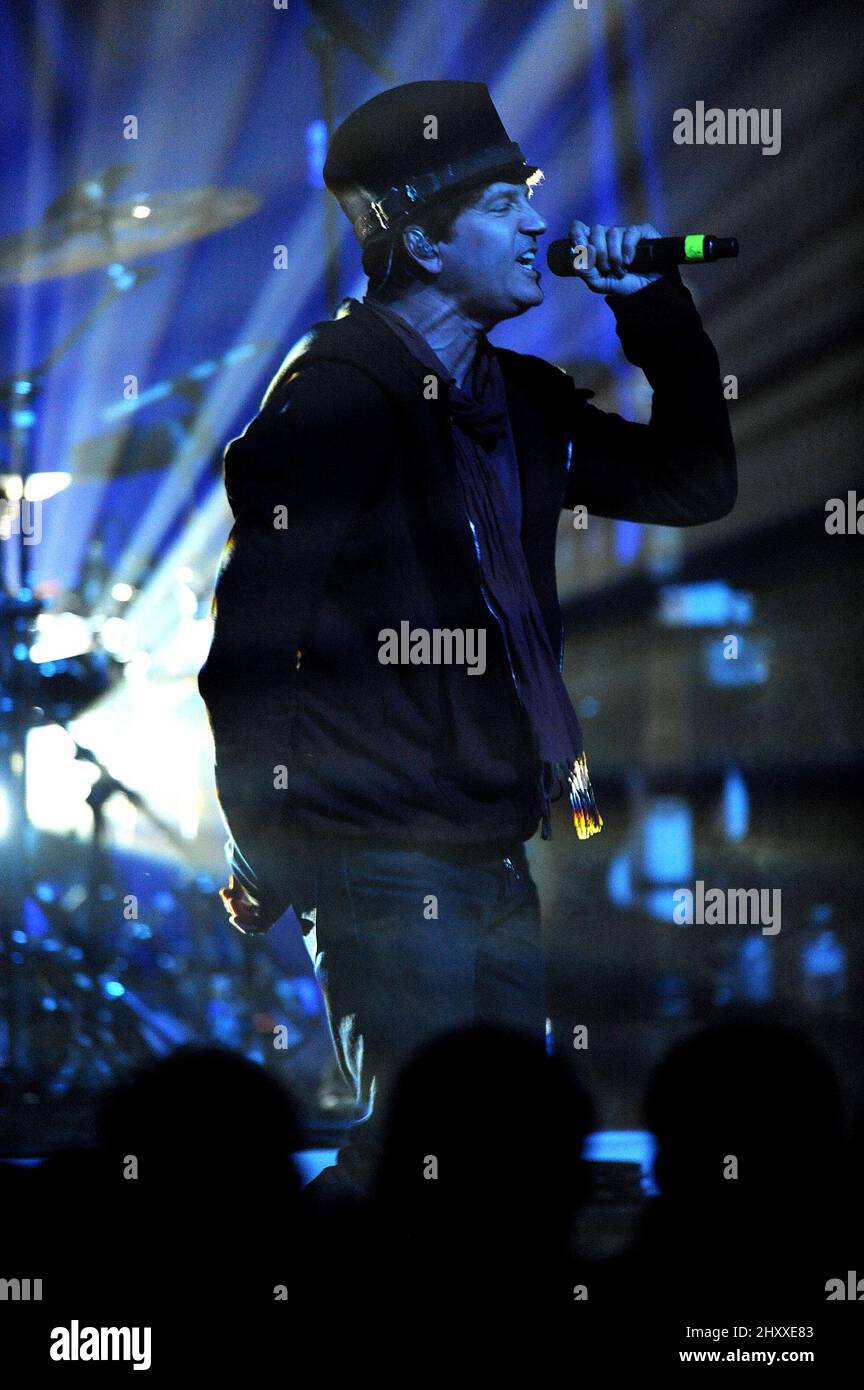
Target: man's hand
{"points": [[609, 252], [242, 910]]}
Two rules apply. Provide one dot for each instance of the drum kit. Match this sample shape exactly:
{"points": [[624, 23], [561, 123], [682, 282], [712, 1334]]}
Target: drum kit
{"points": [[68, 1021], [105, 1020]]}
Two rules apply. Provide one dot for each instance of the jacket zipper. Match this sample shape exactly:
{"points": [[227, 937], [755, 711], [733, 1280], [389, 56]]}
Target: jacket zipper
{"points": [[566, 476], [492, 610], [488, 603]]}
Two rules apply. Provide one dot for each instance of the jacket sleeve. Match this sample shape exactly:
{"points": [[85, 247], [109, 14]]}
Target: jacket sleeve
{"points": [[680, 468], [298, 479]]}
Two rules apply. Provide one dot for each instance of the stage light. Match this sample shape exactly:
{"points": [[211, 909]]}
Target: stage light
{"points": [[114, 634], [163, 763], [57, 783], [12, 486], [137, 667], [750, 666], [310, 1162], [704, 605], [316, 153], [619, 880], [736, 805], [823, 963], [141, 210], [754, 971], [202, 370], [666, 841], [60, 635], [41, 486], [122, 593], [185, 649], [637, 1146], [187, 601], [628, 540]]}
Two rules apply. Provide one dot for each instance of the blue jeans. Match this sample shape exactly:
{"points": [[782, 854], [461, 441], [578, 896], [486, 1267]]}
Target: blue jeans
{"points": [[408, 945]]}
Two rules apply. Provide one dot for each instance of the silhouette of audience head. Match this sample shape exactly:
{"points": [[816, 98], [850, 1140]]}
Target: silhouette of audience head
{"points": [[747, 1116], [210, 1137], [481, 1161]]}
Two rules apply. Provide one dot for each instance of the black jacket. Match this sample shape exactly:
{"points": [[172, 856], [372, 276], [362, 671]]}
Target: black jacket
{"points": [[347, 522]]}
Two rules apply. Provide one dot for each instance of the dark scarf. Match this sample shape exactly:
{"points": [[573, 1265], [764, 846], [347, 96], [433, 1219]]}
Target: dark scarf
{"points": [[481, 417]]}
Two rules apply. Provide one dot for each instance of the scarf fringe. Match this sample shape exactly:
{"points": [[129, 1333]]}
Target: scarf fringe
{"points": [[586, 817]]}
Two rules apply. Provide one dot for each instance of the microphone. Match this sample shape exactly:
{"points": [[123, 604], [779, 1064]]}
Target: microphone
{"points": [[654, 255]]}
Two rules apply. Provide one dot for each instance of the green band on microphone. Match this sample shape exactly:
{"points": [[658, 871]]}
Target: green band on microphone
{"points": [[694, 247]]}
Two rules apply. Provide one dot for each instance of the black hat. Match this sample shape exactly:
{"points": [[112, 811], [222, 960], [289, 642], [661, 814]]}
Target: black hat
{"points": [[383, 160]]}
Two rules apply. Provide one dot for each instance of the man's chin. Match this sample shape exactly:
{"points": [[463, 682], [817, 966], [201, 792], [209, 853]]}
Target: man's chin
{"points": [[491, 313], [530, 298]]}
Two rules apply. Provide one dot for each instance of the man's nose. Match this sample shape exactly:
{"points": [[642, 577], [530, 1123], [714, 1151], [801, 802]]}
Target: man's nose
{"points": [[532, 224]]}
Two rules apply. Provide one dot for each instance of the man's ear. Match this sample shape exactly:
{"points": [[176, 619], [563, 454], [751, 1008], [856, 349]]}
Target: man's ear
{"points": [[419, 247]]}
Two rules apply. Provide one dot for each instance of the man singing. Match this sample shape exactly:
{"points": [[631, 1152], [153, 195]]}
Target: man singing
{"points": [[404, 478]]}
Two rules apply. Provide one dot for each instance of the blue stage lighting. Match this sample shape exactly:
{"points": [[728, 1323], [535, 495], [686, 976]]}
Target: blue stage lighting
{"points": [[704, 605], [316, 153]]}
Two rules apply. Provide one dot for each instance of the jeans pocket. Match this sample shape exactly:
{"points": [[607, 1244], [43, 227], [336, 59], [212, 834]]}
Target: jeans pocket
{"points": [[386, 892], [381, 882]]}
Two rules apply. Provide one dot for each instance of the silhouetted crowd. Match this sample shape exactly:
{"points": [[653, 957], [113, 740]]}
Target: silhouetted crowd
{"points": [[191, 1208]]}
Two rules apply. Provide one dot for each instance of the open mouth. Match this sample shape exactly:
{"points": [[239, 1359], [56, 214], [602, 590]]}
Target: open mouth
{"points": [[527, 260]]}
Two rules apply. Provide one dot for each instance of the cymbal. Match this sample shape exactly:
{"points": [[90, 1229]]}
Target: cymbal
{"points": [[82, 231], [187, 384]]}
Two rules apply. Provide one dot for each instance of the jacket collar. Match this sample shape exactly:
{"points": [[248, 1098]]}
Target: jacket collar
{"points": [[535, 390]]}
